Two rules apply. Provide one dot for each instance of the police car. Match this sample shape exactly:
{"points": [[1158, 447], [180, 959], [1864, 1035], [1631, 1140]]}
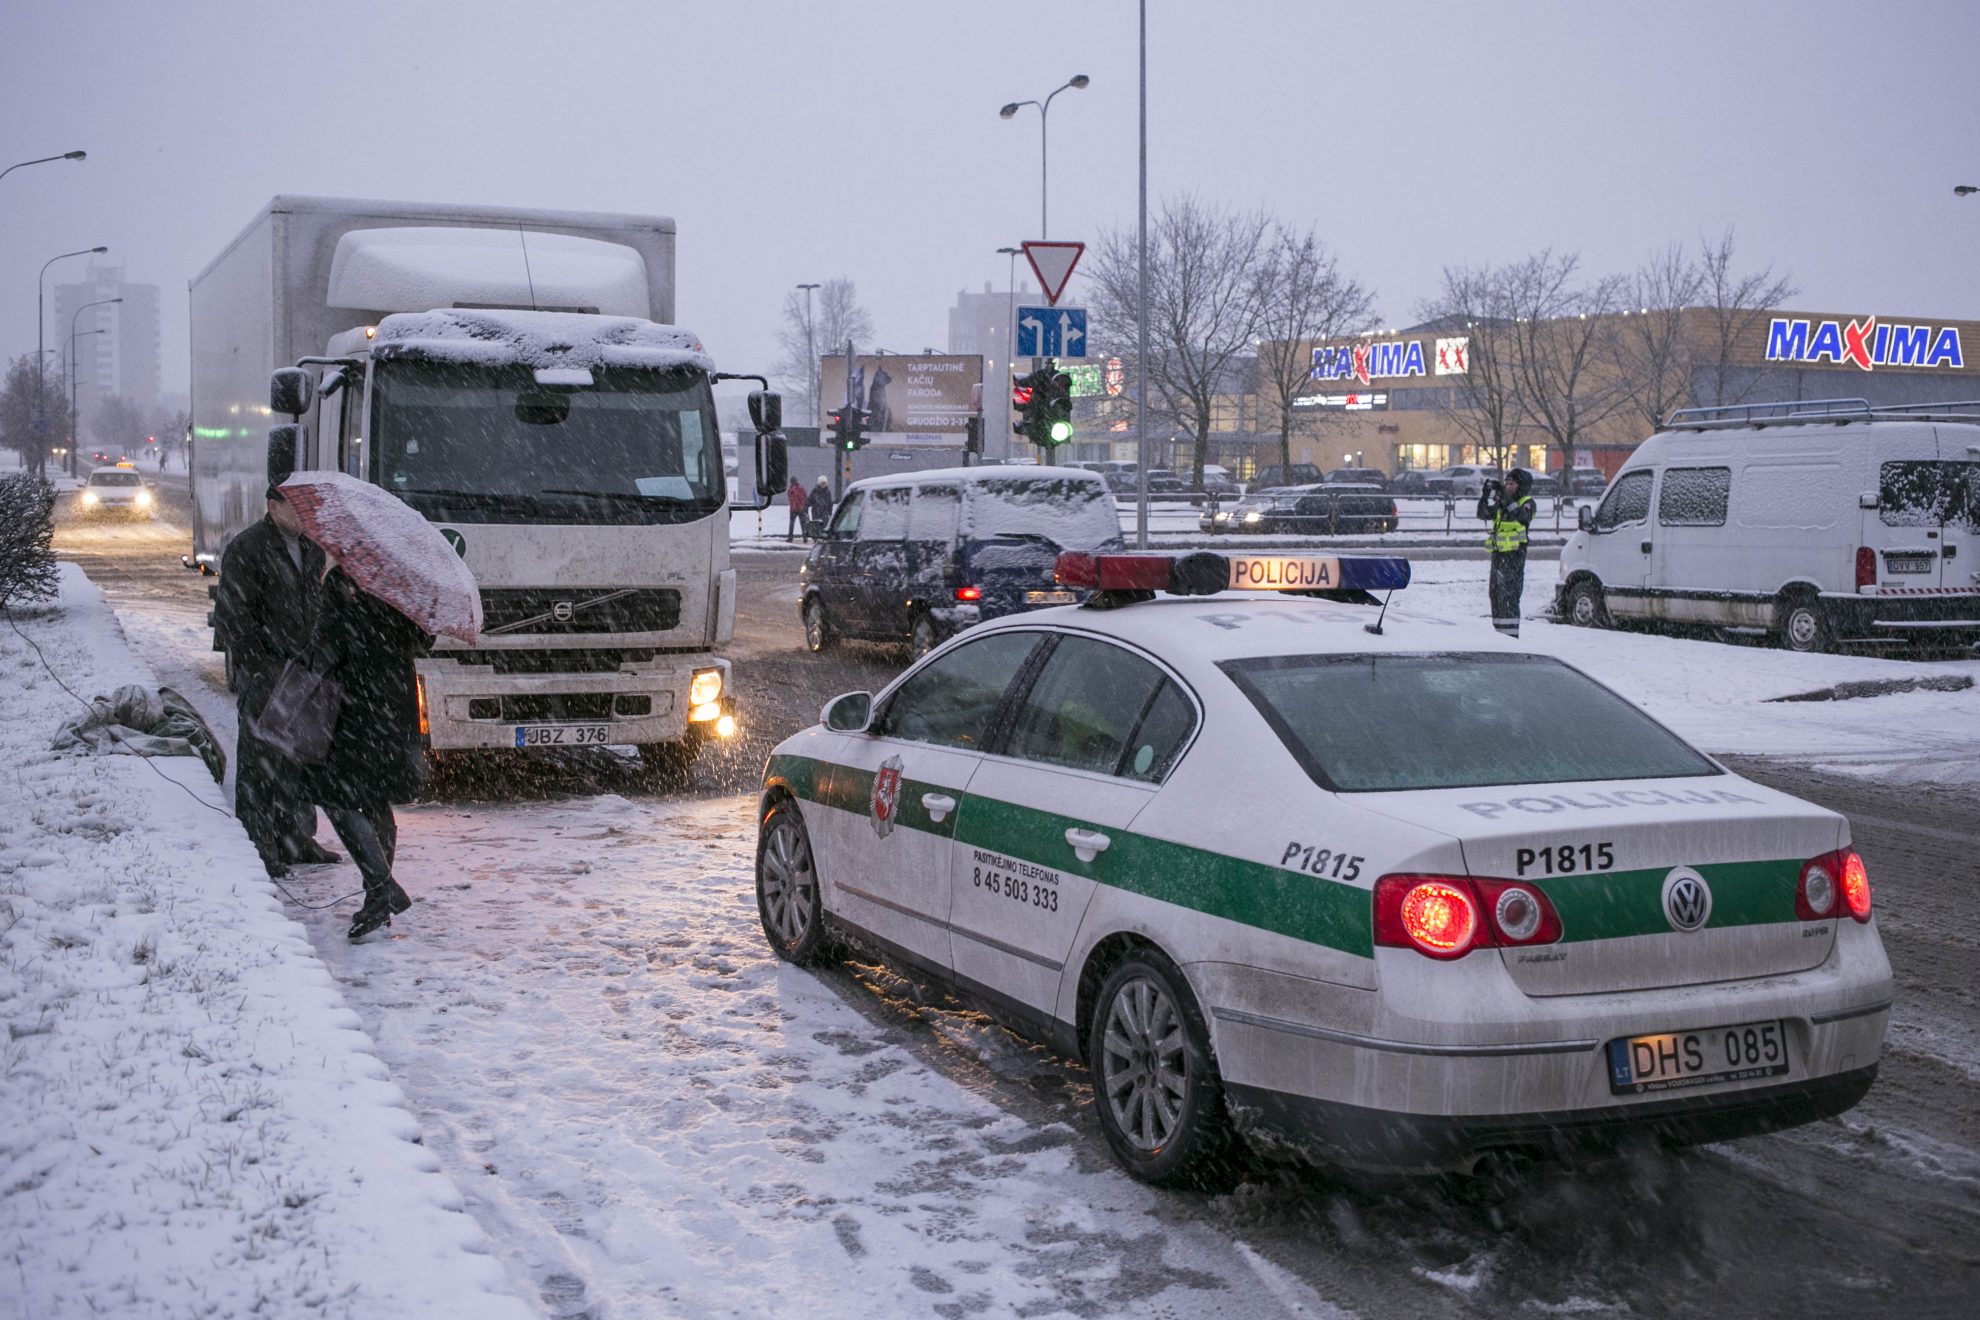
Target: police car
{"points": [[1379, 889]]}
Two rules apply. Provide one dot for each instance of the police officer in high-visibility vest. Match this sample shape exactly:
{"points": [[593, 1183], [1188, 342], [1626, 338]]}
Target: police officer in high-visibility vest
{"points": [[1509, 509]]}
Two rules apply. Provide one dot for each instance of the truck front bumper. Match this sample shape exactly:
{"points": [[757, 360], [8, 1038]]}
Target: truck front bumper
{"points": [[468, 706]]}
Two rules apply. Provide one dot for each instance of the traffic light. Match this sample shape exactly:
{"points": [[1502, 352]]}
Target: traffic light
{"points": [[1044, 404], [835, 427], [847, 428]]}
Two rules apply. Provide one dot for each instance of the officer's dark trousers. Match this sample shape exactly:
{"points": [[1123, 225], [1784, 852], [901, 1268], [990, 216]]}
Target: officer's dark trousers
{"points": [[1508, 581], [267, 798], [372, 835]]}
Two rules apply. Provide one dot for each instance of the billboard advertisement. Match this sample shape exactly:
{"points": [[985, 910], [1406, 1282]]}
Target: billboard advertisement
{"points": [[910, 399]]}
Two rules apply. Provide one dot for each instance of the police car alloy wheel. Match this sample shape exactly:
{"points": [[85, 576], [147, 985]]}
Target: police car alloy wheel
{"points": [[787, 895], [1155, 1083], [817, 633]]}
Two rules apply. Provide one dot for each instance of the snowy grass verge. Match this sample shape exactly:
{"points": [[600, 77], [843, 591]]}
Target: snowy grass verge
{"points": [[195, 1123]]}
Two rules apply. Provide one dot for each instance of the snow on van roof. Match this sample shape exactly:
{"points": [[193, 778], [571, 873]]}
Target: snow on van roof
{"points": [[1024, 474], [539, 339]]}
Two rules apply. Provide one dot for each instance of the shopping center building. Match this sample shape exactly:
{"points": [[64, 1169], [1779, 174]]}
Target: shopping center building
{"points": [[1395, 393]]}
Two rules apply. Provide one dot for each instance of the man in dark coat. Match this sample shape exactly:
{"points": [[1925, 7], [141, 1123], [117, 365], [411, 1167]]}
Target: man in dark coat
{"points": [[265, 610], [818, 508], [375, 756]]}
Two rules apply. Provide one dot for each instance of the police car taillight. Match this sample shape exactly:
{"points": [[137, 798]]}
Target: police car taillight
{"points": [[1833, 885], [1436, 915], [1520, 913]]}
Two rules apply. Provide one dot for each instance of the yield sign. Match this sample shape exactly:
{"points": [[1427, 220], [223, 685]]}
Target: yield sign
{"points": [[1053, 264]]}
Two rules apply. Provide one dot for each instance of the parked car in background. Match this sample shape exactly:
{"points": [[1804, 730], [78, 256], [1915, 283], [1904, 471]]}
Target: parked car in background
{"points": [[1318, 510], [1299, 474], [1468, 480], [1418, 484], [1359, 476], [917, 557], [1586, 481], [1545, 486]]}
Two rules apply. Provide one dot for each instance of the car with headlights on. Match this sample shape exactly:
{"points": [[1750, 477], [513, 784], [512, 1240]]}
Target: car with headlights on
{"points": [[1322, 510], [1286, 866], [114, 491]]}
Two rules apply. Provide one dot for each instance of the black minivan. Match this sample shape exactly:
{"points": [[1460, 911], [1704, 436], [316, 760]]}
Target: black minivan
{"points": [[916, 557]]}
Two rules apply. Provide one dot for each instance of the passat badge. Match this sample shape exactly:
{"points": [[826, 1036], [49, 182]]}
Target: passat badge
{"points": [[886, 796], [1687, 899]]}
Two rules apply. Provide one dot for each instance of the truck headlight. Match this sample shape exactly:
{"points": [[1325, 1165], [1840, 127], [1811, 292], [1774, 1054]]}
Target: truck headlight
{"points": [[706, 686]]}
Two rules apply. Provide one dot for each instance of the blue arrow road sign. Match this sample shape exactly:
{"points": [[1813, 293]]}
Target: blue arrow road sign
{"points": [[1051, 332]]}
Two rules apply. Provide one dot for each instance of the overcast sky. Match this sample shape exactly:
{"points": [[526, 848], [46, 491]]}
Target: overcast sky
{"points": [[803, 141]]}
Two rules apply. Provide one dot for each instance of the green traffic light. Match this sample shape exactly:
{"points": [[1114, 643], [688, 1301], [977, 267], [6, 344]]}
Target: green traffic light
{"points": [[1061, 432]]}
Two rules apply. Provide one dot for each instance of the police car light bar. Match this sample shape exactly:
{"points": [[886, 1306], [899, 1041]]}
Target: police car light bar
{"points": [[1204, 573]]}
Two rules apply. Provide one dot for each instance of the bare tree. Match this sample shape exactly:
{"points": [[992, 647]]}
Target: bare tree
{"points": [[1654, 351], [1203, 306], [836, 317], [1735, 306], [17, 412], [1304, 298], [1485, 404], [1567, 381], [118, 425]]}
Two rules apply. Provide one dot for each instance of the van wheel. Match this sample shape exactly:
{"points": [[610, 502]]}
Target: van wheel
{"points": [[1805, 625], [1585, 606], [1156, 1086], [923, 635], [818, 635]]}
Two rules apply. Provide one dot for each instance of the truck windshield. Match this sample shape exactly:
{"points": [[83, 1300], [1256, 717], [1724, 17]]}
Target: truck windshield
{"points": [[1380, 723], [473, 443]]}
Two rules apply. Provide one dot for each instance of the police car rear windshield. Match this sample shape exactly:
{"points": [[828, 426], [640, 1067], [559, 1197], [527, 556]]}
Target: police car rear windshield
{"points": [[1382, 723]]}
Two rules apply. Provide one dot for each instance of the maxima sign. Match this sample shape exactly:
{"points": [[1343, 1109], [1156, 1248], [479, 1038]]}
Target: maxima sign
{"points": [[1865, 344]]}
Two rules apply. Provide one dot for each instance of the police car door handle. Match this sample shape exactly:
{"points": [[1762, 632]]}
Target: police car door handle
{"points": [[938, 804], [1087, 844]]}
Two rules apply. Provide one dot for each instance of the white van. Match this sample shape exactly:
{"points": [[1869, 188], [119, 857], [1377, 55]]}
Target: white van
{"points": [[1830, 522]]}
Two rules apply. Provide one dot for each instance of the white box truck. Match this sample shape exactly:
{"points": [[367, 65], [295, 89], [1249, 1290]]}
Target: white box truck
{"points": [[515, 376]]}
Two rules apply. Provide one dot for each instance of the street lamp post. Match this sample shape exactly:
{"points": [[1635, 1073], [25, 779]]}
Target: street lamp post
{"points": [[1010, 343], [75, 430], [811, 360], [43, 160], [40, 374], [1077, 80]]}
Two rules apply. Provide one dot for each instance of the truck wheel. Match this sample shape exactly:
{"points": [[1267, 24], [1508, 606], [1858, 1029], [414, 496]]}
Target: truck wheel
{"points": [[1156, 1086], [1805, 625], [787, 893], [818, 634], [923, 635], [1585, 606]]}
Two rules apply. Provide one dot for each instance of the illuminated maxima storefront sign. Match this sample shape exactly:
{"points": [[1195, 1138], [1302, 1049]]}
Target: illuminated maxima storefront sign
{"points": [[1865, 344], [1387, 359]]}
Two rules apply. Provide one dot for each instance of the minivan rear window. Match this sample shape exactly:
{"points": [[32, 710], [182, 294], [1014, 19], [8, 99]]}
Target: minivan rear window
{"points": [[1384, 723], [1072, 513]]}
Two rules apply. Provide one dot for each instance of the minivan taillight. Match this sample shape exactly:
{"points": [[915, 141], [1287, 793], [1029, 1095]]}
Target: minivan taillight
{"points": [[1447, 916], [1866, 567]]}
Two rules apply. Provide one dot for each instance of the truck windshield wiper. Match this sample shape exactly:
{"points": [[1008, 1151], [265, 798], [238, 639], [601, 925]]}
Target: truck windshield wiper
{"points": [[637, 496], [465, 496]]}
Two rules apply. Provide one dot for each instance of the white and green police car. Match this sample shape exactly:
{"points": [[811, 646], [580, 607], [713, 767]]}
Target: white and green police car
{"points": [[1399, 896]]}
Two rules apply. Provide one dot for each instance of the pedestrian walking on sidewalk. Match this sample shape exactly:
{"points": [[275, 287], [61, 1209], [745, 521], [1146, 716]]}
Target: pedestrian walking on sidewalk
{"points": [[375, 756], [265, 608], [794, 496], [1509, 508], [818, 508]]}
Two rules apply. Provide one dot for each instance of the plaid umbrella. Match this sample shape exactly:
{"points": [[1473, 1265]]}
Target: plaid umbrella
{"points": [[389, 550]]}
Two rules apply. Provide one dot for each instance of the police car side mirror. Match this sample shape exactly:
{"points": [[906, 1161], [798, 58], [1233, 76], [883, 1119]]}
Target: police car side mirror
{"points": [[849, 712], [1584, 518]]}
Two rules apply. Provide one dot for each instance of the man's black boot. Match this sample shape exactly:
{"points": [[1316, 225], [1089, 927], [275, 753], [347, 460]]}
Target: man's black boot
{"points": [[397, 900], [369, 918], [308, 852]]}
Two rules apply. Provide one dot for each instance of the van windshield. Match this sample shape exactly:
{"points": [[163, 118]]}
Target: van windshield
{"points": [[1381, 723], [1071, 513]]}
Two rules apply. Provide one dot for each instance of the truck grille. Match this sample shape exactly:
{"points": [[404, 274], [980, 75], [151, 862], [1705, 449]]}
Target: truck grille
{"points": [[559, 612]]}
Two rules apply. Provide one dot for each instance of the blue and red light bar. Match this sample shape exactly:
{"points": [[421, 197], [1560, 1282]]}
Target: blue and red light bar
{"points": [[1204, 573]]}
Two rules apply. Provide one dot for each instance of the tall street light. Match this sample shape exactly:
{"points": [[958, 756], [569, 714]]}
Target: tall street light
{"points": [[40, 337], [1077, 80], [1010, 345], [43, 160], [811, 359], [75, 430]]}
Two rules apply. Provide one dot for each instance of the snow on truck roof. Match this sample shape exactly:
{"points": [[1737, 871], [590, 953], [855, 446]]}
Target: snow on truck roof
{"points": [[981, 475], [539, 339]]}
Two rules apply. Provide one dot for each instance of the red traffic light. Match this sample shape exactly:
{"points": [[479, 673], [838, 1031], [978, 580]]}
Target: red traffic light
{"points": [[1021, 395]]}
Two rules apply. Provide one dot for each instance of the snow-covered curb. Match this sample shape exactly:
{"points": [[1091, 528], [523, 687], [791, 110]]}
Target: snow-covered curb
{"points": [[194, 1123]]}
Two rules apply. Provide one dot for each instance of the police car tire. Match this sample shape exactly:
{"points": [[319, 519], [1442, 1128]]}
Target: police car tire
{"points": [[1199, 1146], [792, 911], [818, 634]]}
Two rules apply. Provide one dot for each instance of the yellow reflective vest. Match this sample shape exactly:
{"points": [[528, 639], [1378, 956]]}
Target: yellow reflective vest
{"points": [[1509, 534]]}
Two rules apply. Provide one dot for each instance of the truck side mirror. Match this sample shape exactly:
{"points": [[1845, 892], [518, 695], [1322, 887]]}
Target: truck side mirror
{"points": [[285, 450], [766, 410], [1584, 518], [773, 469], [290, 390]]}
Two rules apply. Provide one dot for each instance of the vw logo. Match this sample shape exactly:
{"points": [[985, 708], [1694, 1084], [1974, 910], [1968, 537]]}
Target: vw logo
{"points": [[1687, 899], [562, 610]]}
